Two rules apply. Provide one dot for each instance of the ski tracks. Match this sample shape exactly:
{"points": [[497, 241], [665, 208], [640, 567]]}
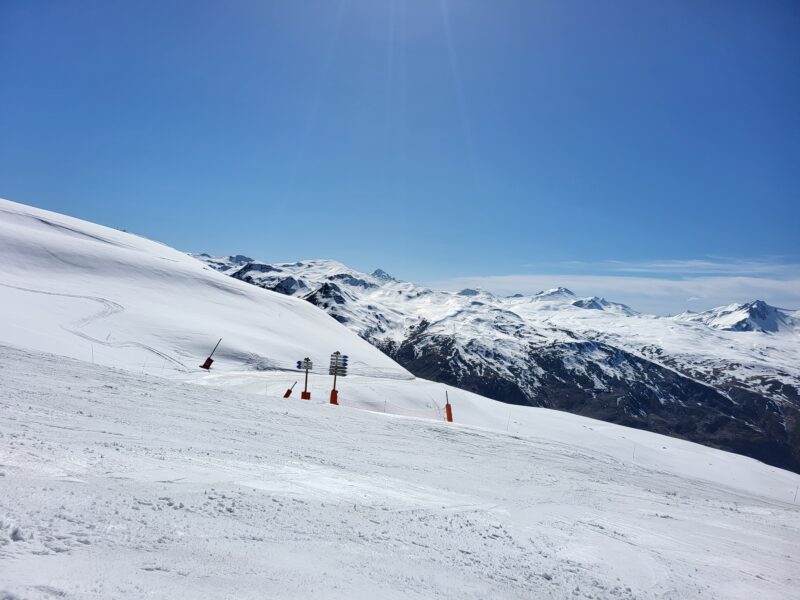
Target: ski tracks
{"points": [[109, 309]]}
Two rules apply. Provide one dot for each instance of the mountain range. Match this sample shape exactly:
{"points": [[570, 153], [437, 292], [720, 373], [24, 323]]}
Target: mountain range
{"points": [[728, 377]]}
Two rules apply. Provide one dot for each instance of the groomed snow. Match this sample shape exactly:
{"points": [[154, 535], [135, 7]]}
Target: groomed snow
{"points": [[120, 485]]}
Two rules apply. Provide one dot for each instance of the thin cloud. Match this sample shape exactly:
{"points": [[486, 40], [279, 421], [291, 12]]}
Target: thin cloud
{"points": [[778, 267], [657, 295], [708, 267]]}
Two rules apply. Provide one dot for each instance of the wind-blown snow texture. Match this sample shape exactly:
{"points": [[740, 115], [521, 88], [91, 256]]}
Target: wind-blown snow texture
{"points": [[142, 476], [729, 377], [118, 485]]}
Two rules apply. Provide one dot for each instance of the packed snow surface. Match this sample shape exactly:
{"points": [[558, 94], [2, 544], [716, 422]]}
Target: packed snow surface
{"points": [[121, 485], [127, 472]]}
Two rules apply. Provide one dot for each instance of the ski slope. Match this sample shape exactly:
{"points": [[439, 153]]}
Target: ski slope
{"points": [[142, 475], [121, 485], [83, 290]]}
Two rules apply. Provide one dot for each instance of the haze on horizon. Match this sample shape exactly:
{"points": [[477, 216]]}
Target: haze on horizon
{"points": [[646, 152]]}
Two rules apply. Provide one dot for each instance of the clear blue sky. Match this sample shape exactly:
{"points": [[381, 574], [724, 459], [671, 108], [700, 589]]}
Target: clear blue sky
{"points": [[434, 139]]}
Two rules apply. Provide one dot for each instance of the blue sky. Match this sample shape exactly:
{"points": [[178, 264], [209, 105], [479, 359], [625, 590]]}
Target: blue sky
{"points": [[502, 143]]}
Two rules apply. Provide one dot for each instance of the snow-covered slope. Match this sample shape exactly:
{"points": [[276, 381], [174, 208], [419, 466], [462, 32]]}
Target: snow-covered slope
{"points": [[733, 389], [125, 486], [94, 293]]}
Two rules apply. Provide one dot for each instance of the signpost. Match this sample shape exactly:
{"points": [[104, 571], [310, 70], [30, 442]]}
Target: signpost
{"points": [[306, 365], [337, 368]]}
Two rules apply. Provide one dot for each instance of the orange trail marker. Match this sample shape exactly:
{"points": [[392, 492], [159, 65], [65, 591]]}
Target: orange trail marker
{"points": [[207, 364], [447, 408]]}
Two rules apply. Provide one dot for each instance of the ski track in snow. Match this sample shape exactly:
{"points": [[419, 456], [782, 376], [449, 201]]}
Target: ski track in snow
{"points": [[109, 308], [114, 485]]}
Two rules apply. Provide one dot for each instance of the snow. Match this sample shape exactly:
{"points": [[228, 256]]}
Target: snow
{"points": [[752, 316], [121, 485], [128, 472], [596, 303], [695, 345], [76, 288], [559, 293]]}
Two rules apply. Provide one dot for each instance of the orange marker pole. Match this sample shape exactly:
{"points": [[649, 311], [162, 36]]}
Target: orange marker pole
{"points": [[207, 364], [447, 408]]}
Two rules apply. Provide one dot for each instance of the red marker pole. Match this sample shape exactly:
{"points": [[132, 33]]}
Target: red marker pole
{"points": [[334, 392], [447, 408], [289, 391], [207, 364]]}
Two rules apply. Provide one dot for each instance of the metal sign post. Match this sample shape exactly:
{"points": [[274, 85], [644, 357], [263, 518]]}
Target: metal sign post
{"points": [[337, 368], [306, 365]]}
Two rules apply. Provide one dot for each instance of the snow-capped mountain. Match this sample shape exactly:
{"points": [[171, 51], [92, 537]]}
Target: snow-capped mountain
{"points": [[596, 303], [751, 316], [682, 376]]}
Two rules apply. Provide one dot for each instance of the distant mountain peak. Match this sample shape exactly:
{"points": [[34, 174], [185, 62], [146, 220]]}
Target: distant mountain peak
{"points": [[755, 315], [240, 259], [554, 294], [757, 305], [382, 275], [474, 292], [761, 316], [598, 303], [224, 264], [593, 303]]}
